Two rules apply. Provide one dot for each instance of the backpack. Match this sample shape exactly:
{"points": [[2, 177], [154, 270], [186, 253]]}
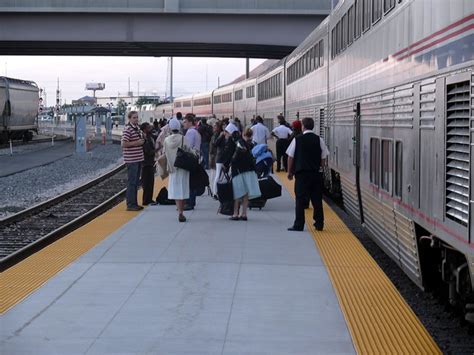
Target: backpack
{"points": [[162, 197]]}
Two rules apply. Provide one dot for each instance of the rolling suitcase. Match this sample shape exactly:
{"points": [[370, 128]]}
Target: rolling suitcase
{"points": [[257, 203]]}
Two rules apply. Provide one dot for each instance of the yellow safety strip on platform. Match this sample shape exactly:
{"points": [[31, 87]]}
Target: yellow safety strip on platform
{"points": [[379, 319], [22, 279]]}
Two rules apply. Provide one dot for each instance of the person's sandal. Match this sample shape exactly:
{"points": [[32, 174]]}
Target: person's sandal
{"points": [[236, 218], [243, 218], [181, 218]]}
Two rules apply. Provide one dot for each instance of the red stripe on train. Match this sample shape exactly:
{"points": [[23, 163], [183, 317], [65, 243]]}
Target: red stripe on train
{"points": [[451, 26], [442, 39]]}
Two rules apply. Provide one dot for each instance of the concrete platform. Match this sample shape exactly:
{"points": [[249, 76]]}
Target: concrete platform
{"points": [[208, 286]]}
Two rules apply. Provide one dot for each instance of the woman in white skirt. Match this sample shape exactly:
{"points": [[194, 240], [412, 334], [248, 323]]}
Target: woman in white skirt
{"points": [[244, 179], [178, 181]]}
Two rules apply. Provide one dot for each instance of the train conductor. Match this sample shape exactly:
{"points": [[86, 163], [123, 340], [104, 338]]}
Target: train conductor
{"points": [[307, 155]]}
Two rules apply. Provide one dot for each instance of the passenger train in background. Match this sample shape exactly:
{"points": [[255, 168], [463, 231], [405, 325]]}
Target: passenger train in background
{"points": [[390, 85], [19, 104]]}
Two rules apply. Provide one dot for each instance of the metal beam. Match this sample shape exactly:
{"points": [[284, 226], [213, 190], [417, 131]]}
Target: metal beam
{"points": [[153, 34]]}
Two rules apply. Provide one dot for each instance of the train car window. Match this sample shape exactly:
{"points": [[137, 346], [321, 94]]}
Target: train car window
{"points": [[388, 5], [343, 32], [398, 169], [358, 18], [367, 4], [321, 53], [316, 56], [350, 29], [376, 10], [333, 42], [217, 99], [387, 165], [374, 161]]}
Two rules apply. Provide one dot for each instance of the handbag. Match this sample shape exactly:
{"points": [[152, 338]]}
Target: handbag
{"points": [[162, 166], [269, 187], [225, 192], [186, 160]]}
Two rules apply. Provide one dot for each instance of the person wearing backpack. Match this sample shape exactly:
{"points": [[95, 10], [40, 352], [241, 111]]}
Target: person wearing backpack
{"points": [[206, 132]]}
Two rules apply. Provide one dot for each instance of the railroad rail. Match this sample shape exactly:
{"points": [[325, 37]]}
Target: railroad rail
{"points": [[34, 141], [30, 230]]}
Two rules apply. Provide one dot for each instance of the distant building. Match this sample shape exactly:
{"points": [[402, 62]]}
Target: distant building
{"points": [[85, 101]]}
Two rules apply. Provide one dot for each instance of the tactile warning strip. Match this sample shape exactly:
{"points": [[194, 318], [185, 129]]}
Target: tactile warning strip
{"points": [[379, 319], [24, 278]]}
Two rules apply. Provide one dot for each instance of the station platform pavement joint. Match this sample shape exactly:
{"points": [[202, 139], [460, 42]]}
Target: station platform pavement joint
{"points": [[379, 320]]}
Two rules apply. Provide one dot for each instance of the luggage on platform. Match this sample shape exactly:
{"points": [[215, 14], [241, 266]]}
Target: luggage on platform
{"points": [[257, 203], [162, 197], [269, 187], [226, 208]]}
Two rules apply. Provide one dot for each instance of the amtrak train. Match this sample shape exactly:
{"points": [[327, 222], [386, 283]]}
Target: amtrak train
{"points": [[390, 84], [19, 103]]}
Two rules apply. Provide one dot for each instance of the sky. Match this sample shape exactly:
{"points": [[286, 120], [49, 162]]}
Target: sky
{"points": [[147, 74]]}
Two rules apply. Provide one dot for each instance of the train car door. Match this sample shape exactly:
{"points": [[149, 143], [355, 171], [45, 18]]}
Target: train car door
{"points": [[356, 138]]}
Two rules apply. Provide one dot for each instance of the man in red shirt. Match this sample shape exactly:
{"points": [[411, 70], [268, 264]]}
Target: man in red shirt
{"points": [[132, 147]]}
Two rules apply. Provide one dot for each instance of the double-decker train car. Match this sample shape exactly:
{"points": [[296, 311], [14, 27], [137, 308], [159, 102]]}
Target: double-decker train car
{"points": [[19, 103], [270, 93], [245, 100], [222, 102], [399, 117], [202, 104], [390, 84], [307, 78], [183, 104]]}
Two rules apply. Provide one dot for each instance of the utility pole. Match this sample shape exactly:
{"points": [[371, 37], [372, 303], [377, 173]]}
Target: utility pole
{"points": [[247, 68], [171, 79], [206, 76]]}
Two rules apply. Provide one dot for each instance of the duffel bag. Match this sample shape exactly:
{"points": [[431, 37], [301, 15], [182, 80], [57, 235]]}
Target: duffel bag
{"points": [[226, 208], [269, 188], [225, 192], [162, 197]]}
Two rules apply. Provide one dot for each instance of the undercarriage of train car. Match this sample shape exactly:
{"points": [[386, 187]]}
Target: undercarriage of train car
{"points": [[446, 273]]}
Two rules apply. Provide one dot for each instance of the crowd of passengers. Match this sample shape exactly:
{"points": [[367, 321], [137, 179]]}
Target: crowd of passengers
{"points": [[224, 148]]}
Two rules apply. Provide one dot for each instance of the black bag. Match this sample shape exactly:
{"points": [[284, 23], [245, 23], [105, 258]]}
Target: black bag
{"points": [[162, 197], [198, 180], [257, 203], [269, 188], [225, 192], [226, 208], [186, 160]]}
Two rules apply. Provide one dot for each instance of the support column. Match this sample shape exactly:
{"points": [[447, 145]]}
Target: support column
{"points": [[80, 134]]}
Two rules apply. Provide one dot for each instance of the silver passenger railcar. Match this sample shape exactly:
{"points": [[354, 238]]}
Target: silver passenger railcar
{"points": [[223, 102], [399, 117], [202, 104], [245, 100], [19, 103], [270, 93]]}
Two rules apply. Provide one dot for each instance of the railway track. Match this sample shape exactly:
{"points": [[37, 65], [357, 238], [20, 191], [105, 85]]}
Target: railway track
{"points": [[32, 229]]}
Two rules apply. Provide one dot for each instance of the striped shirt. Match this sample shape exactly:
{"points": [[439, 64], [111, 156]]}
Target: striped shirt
{"points": [[132, 154]]}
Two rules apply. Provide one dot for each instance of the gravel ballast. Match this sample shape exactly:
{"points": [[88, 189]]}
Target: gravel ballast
{"points": [[27, 188]]}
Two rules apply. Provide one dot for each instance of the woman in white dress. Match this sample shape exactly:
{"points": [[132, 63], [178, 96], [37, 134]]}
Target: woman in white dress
{"points": [[178, 182]]}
